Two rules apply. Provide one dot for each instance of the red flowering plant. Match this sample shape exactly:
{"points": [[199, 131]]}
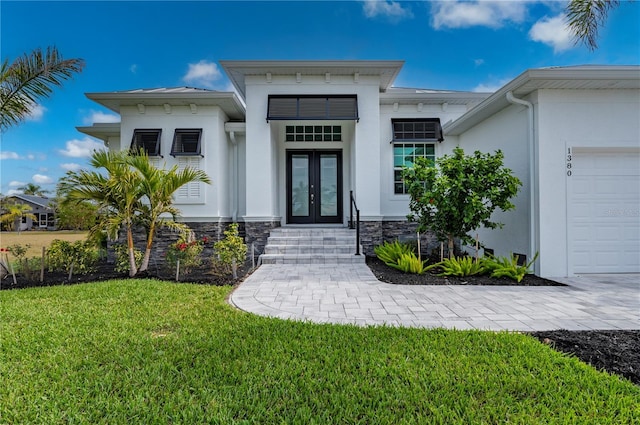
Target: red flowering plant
{"points": [[187, 250]]}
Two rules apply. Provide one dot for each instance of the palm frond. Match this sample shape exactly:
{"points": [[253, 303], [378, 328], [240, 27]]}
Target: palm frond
{"points": [[29, 78], [585, 17]]}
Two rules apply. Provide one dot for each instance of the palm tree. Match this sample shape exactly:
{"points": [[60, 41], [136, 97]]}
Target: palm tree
{"points": [[585, 17], [33, 189], [159, 185], [29, 78], [16, 212], [117, 193]]}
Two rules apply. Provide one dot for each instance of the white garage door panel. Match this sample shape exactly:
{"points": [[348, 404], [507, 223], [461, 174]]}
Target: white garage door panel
{"points": [[604, 212]]}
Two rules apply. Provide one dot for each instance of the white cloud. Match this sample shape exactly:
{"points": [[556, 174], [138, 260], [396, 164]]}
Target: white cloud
{"points": [[554, 32], [203, 73], [81, 148], [389, 9], [9, 155], [12, 192], [463, 14], [36, 113], [490, 87], [41, 179], [71, 166], [16, 183], [100, 117], [133, 68]]}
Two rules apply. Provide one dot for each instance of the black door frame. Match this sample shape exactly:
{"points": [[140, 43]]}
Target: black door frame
{"points": [[314, 181]]}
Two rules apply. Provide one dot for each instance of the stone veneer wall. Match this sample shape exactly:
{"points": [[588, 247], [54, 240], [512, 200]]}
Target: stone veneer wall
{"points": [[373, 233], [164, 237], [256, 233]]}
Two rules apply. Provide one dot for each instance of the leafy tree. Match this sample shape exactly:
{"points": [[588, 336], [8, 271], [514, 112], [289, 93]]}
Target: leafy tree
{"points": [[81, 215], [33, 189], [459, 193], [29, 78], [158, 186], [16, 212], [585, 17], [117, 194]]}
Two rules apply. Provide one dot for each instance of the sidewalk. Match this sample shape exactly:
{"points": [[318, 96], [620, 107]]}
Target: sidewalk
{"points": [[350, 294]]}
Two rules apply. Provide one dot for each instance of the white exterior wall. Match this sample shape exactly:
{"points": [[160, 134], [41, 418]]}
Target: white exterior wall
{"points": [[507, 131], [393, 206], [265, 146], [214, 203], [572, 118]]}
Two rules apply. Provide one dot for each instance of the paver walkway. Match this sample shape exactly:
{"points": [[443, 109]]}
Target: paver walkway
{"points": [[352, 294]]}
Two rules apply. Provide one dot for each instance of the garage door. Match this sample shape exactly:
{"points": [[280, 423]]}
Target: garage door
{"points": [[604, 211]]}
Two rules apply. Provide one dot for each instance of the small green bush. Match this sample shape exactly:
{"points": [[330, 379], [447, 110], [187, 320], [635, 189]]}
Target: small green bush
{"points": [[187, 250], [508, 267], [63, 255], [460, 266], [409, 263], [229, 251], [390, 252], [122, 257]]}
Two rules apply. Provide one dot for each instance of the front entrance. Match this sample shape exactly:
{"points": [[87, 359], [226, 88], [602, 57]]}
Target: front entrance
{"points": [[314, 186]]}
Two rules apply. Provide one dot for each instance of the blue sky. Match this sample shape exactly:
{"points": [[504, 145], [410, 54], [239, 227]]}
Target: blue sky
{"points": [[475, 46]]}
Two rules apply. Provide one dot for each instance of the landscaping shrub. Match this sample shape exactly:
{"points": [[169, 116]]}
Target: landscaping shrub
{"points": [[229, 252], [460, 266], [187, 250], [122, 257], [508, 267], [390, 252], [409, 263], [79, 257]]}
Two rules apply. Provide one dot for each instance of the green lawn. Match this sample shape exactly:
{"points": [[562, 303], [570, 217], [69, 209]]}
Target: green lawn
{"points": [[144, 351]]}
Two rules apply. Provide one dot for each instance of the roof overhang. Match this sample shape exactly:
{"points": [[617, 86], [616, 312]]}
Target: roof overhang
{"points": [[229, 102], [431, 97], [592, 77], [239, 70], [101, 131]]}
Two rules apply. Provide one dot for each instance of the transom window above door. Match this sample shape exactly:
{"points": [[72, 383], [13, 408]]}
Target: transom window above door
{"points": [[313, 133]]}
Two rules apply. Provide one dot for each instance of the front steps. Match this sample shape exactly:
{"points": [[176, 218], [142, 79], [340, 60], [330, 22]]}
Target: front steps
{"points": [[311, 245]]}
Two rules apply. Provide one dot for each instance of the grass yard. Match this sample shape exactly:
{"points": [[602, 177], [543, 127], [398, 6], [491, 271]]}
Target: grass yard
{"points": [[38, 239], [145, 351]]}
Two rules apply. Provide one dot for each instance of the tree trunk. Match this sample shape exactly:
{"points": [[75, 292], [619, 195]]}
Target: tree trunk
{"points": [[147, 252], [450, 246], [133, 269]]}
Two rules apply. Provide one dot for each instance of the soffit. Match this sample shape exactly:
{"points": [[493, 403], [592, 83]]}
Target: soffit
{"points": [[239, 70], [586, 77]]}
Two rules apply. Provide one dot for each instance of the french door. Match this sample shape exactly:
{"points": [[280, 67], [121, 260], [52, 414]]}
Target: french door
{"points": [[314, 186]]}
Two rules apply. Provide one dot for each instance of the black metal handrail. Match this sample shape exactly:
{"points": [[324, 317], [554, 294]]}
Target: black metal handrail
{"points": [[353, 205]]}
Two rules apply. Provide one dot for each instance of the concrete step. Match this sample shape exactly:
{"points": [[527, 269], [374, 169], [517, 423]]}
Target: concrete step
{"points": [[312, 259], [311, 245]]}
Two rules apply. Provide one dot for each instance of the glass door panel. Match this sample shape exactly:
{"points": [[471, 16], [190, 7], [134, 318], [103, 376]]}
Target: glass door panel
{"points": [[300, 185], [328, 185]]}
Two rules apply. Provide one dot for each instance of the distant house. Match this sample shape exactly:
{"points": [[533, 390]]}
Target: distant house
{"points": [[41, 208], [296, 138]]}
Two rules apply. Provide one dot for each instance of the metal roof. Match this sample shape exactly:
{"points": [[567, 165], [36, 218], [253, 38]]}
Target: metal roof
{"points": [[32, 199], [228, 101]]}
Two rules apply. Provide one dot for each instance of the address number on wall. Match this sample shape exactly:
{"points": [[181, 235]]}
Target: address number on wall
{"points": [[569, 162]]}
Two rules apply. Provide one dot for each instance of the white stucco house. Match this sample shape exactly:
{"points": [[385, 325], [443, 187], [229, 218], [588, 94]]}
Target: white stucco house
{"points": [[298, 137]]}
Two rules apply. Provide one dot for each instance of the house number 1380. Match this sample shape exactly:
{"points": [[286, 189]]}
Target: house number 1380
{"points": [[568, 161]]}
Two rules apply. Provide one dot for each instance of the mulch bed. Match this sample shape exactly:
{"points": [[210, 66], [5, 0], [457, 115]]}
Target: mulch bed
{"points": [[388, 274], [615, 351]]}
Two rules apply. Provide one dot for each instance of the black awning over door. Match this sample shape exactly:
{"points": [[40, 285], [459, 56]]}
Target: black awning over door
{"points": [[312, 107]]}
